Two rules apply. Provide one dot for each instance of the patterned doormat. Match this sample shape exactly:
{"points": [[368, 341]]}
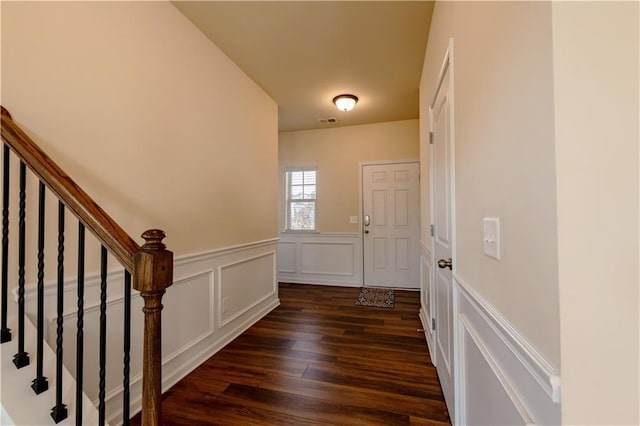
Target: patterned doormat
{"points": [[376, 297]]}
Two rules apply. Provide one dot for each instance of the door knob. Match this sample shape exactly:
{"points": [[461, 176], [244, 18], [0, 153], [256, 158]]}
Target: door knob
{"points": [[366, 231], [445, 263]]}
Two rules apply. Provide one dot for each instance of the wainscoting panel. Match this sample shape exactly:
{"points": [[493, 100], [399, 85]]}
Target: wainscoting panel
{"points": [[496, 404], [244, 284], [501, 379], [194, 324], [327, 258], [316, 258], [287, 257]]}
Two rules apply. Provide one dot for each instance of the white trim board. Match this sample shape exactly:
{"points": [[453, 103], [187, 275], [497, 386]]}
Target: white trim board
{"points": [[426, 326], [426, 301]]}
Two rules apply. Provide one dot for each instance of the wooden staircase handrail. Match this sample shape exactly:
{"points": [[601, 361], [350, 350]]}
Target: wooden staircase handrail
{"points": [[151, 266], [105, 229]]}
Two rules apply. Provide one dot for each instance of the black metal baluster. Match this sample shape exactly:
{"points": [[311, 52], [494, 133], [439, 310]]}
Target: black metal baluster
{"points": [[40, 383], [5, 332], [127, 347], [103, 333], [59, 412], [79, 334], [21, 359]]}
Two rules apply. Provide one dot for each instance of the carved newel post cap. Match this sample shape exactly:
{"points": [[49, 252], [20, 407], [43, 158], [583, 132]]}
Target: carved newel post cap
{"points": [[153, 240], [153, 264]]}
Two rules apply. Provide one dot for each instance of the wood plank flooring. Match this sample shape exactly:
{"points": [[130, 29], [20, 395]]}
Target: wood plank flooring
{"points": [[317, 359]]}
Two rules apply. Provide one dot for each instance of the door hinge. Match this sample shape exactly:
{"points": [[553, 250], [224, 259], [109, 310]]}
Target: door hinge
{"points": [[430, 138], [432, 230], [433, 323]]}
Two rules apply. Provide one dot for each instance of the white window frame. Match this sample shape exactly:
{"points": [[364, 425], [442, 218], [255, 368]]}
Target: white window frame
{"points": [[288, 199]]}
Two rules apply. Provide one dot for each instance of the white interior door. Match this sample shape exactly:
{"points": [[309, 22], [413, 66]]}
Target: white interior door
{"points": [[391, 224], [443, 232]]}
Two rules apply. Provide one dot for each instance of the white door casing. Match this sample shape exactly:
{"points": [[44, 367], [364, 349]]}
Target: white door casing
{"points": [[442, 209], [391, 202]]}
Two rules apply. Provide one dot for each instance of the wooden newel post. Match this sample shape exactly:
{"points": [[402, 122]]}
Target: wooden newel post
{"points": [[152, 274]]}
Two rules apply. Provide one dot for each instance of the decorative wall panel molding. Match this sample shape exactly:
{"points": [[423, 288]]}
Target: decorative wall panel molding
{"points": [[501, 377], [196, 320], [317, 258]]}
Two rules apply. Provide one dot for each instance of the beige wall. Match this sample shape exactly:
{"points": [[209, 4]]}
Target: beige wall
{"points": [[504, 155], [337, 153], [150, 117], [596, 47]]}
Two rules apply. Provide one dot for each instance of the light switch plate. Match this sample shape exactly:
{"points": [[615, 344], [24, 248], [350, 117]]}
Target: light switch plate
{"points": [[491, 237], [354, 219]]}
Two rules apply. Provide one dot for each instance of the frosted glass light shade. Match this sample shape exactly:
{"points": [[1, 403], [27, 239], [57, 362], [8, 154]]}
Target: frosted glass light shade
{"points": [[345, 102]]}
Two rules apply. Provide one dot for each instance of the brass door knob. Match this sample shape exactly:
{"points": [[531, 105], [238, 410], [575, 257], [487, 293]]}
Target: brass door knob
{"points": [[445, 263]]}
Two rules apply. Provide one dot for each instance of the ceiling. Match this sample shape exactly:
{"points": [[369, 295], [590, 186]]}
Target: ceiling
{"points": [[303, 53]]}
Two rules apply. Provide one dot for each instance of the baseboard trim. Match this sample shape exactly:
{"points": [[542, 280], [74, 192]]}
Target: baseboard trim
{"points": [[322, 282]]}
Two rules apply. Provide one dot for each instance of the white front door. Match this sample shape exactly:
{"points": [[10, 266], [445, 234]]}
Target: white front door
{"points": [[443, 232], [391, 224]]}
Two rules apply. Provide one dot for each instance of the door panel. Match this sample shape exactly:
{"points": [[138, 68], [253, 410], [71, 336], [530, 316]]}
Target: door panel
{"points": [[402, 208], [402, 254], [442, 168], [380, 253], [391, 198], [379, 208]]}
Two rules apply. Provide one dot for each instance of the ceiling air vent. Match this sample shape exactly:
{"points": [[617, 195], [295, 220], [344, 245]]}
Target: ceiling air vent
{"points": [[329, 120]]}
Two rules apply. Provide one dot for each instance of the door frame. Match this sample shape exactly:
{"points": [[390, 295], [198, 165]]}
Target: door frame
{"points": [[361, 165], [447, 66]]}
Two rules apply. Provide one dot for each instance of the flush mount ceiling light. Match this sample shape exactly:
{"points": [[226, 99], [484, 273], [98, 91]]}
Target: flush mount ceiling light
{"points": [[345, 102]]}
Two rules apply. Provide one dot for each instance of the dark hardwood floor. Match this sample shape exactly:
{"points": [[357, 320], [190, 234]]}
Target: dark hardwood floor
{"points": [[317, 360]]}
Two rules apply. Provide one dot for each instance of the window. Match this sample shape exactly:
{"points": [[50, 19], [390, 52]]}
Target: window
{"points": [[301, 200]]}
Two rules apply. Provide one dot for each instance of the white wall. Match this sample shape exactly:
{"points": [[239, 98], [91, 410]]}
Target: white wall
{"points": [[505, 330], [333, 256], [147, 115], [337, 154], [596, 52], [546, 138], [504, 150], [162, 130]]}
